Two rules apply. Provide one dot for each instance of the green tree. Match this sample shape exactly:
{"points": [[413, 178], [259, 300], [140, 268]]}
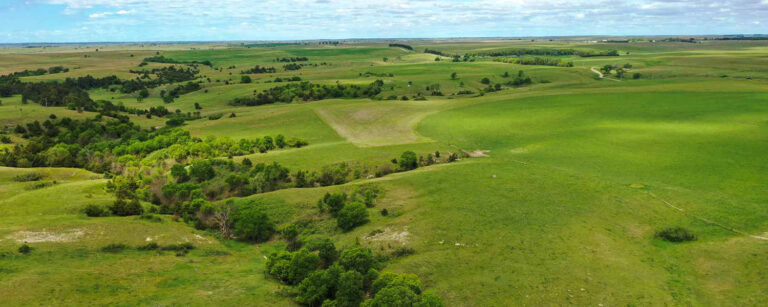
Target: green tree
{"points": [[453, 76], [352, 215], [485, 80], [252, 223], [179, 172], [408, 161], [202, 170], [350, 289], [302, 263], [357, 258], [395, 296], [429, 300], [313, 290], [280, 141], [245, 79]]}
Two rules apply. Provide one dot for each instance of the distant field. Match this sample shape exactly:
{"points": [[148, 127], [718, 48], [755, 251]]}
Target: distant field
{"points": [[579, 175]]}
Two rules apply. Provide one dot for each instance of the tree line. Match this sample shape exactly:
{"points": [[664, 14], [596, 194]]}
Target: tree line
{"points": [[404, 46], [259, 70], [307, 91], [535, 61], [163, 59]]}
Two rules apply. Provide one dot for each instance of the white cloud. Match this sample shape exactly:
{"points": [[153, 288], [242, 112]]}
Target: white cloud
{"points": [[99, 15]]}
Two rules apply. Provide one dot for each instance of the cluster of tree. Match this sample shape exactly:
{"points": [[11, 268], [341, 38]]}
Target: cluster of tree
{"points": [[259, 70], [71, 91], [307, 91], [292, 59], [286, 79], [350, 211], [519, 80], [404, 46], [373, 74], [435, 52], [41, 71], [292, 66], [535, 61], [586, 54], [163, 59], [525, 51], [742, 38], [164, 75], [181, 90]]}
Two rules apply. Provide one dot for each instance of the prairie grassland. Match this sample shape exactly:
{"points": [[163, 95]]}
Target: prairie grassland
{"points": [[581, 173]]}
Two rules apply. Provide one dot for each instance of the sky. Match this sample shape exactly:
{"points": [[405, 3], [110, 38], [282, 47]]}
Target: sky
{"points": [[25, 21]]}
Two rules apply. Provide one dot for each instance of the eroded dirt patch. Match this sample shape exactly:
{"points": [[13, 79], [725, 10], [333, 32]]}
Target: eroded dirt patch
{"points": [[480, 153], [390, 235], [46, 236]]}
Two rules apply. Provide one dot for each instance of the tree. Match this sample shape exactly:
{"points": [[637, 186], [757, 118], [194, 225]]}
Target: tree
{"points": [[408, 161], [636, 76], [429, 300], [394, 296], [301, 265], [335, 202], [357, 258], [223, 218], [179, 172], [144, 93], [245, 79], [352, 215], [453, 76], [252, 223], [485, 80], [121, 207], [202, 170], [313, 290], [280, 141], [350, 289]]}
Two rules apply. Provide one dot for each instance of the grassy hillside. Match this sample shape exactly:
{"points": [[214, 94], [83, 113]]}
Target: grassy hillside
{"points": [[570, 177]]}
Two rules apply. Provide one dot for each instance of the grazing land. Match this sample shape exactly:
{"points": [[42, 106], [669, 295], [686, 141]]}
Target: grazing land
{"points": [[498, 172]]}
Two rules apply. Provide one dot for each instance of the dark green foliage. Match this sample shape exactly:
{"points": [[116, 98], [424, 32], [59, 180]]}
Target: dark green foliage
{"points": [[485, 80], [306, 91], [675, 234], [350, 289], [636, 76], [357, 258], [113, 248], [429, 300], [163, 59], [535, 61], [122, 207], [252, 223], [93, 210], [408, 161], [245, 79], [352, 215], [313, 290], [334, 202], [404, 46], [202, 170], [24, 249], [302, 263], [26, 177], [179, 172], [259, 70], [149, 247]]}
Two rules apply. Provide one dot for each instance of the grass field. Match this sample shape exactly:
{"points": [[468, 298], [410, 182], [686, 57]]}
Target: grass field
{"points": [[580, 174]]}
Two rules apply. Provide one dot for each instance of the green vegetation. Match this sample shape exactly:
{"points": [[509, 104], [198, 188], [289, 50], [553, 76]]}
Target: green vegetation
{"points": [[363, 182]]}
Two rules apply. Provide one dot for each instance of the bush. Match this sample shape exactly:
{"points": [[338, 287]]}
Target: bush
{"points": [[335, 202], [252, 223], [245, 79], [27, 177], [25, 249], [675, 234], [352, 215], [149, 247], [357, 258], [113, 248], [94, 210], [408, 161], [121, 207]]}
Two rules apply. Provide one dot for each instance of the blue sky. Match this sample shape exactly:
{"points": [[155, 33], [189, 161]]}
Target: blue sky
{"points": [[204, 20]]}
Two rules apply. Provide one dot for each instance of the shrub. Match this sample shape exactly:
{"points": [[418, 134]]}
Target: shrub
{"points": [[94, 210], [245, 79], [113, 248], [121, 207], [252, 223], [352, 215], [350, 289], [25, 249], [675, 234], [357, 258], [151, 217], [149, 247], [302, 263], [636, 75], [485, 81], [335, 202], [408, 161], [27, 177]]}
